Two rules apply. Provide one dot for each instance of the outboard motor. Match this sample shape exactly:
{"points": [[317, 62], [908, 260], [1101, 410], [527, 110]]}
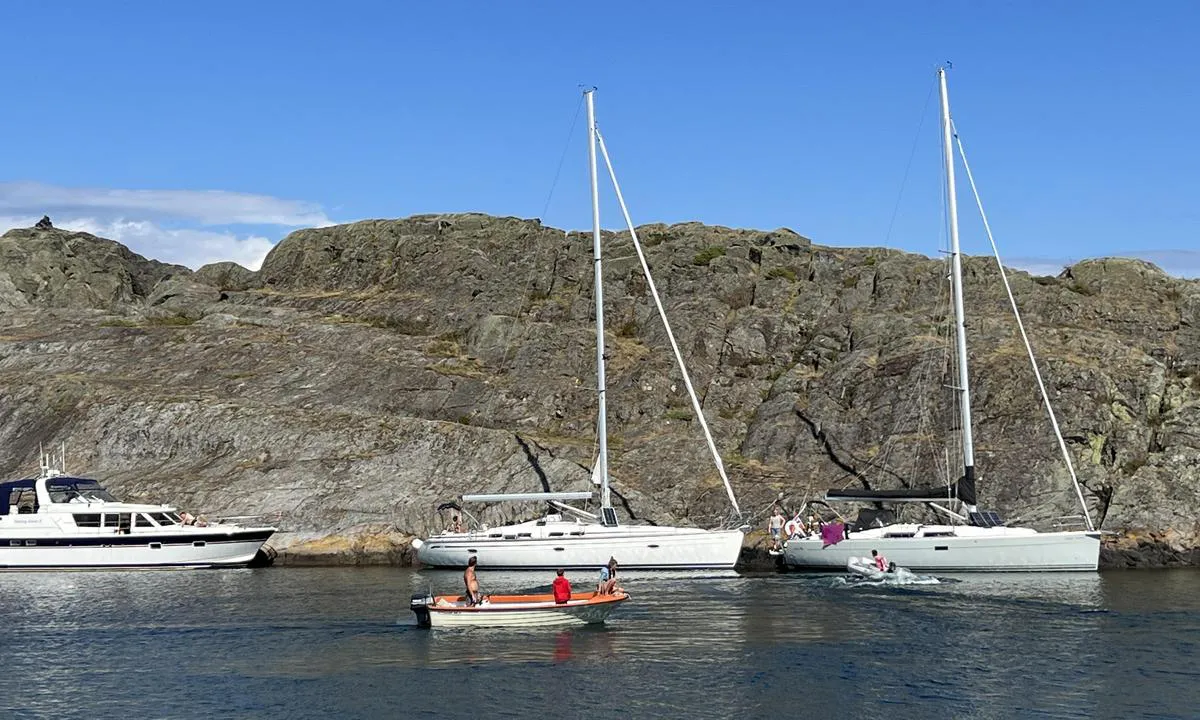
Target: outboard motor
{"points": [[420, 606]]}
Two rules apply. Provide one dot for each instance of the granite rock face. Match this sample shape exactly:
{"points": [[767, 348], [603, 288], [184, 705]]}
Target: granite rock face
{"points": [[371, 371]]}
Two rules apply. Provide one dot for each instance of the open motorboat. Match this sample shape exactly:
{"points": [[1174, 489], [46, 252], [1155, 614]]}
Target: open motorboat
{"points": [[56, 521], [865, 568], [971, 540], [585, 608], [571, 537]]}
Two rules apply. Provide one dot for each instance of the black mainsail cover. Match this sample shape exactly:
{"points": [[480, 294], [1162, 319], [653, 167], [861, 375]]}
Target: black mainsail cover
{"points": [[963, 490]]}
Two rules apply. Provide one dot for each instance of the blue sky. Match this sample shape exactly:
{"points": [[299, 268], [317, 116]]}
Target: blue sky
{"points": [[1079, 119]]}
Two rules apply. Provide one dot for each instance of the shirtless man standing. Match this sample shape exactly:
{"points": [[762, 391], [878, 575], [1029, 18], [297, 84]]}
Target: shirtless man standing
{"points": [[472, 583]]}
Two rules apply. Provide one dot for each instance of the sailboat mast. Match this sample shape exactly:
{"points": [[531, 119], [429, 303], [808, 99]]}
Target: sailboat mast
{"points": [[967, 486], [602, 411]]}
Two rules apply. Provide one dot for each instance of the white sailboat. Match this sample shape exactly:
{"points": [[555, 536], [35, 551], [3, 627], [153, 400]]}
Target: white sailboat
{"points": [[971, 540], [573, 538]]}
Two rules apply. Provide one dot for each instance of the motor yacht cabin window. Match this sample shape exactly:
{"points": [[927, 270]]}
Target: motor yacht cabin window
{"points": [[117, 520], [140, 520], [163, 519], [87, 520], [22, 501]]}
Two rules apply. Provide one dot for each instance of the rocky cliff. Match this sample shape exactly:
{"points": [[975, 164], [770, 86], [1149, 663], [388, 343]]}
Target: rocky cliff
{"points": [[370, 371]]}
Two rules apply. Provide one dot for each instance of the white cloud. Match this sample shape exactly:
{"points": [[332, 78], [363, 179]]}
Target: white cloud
{"points": [[186, 246], [207, 207], [1037, 266], [191, 247], [1179, 263], [174, 226]]}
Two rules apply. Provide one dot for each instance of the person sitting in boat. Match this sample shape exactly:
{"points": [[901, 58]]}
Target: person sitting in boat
{"points": [[881, 563], [892, 568], [608, 579], [562, 588], [472, 582]]}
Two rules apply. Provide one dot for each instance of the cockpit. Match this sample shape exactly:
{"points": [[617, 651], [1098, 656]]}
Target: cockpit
{"points": [[18, 497], [69, 489]]}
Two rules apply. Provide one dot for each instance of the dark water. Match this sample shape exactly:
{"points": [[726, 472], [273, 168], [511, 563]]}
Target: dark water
{"points": [[339, 643]]}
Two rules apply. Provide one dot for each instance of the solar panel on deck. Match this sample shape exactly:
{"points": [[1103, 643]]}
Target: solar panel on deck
{"points": [[610, 517], [986, 518]]}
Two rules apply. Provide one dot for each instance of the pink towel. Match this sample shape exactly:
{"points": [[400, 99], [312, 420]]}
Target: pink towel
{"points": [[832, 533]]}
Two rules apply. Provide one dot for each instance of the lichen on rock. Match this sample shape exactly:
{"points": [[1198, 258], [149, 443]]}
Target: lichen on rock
{"points": [[370, 371]]}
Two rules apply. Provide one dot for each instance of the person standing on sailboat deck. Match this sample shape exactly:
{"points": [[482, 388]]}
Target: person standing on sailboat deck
{"points": [[472, 583], [562, 588], [775, 526]]}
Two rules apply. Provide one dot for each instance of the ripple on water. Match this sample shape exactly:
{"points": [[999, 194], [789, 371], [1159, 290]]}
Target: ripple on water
{"points": [[287, 642]]}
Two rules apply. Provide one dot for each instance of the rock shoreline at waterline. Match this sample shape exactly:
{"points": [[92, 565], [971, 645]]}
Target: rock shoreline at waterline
{"points": [[369, 372]]}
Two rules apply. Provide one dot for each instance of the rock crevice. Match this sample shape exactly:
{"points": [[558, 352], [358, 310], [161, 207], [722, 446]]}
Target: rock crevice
{"points": [[370, 371]]}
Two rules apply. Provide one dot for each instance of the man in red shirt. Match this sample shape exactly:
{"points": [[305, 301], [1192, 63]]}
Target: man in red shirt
{"points": [[562, 588]]}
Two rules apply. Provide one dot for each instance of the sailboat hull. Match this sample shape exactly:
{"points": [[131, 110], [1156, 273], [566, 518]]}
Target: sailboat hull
{"points": [[570, 545], [968, 549]]}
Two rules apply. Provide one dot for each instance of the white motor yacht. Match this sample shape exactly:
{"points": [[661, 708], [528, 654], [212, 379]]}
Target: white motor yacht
{"points": [[56, 521]]}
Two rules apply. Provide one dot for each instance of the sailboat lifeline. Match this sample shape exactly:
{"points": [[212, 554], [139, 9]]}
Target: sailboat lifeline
{"points": [[574, 538]]}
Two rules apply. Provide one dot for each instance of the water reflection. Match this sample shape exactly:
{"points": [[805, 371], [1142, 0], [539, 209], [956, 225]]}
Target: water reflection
{"points": [[342, 643]]}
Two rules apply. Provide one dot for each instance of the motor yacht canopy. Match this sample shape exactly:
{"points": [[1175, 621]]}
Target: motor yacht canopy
{"points": [[6, 492]]}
